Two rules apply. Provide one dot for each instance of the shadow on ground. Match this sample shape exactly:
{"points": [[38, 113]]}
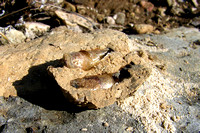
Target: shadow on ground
{"points": [[39, 88]]}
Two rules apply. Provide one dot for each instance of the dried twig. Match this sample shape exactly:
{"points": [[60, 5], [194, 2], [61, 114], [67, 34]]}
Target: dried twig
{"points": [[14, 12], [4, 37]]}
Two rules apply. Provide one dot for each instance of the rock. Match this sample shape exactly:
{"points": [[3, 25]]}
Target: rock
{"points": [[70, 7], [161, 11], [105, 124], [100, 17], [171, 3], [129, 129], [147, 5], [74, 28], [72, 20], [84, 129], [177, 11], [143, 28], [120, 18], [35, 29], [15, 36], [57, 1], [195, 3], [81, 9], [196, 21], [110, 20], [156, 32], [74, 81]]}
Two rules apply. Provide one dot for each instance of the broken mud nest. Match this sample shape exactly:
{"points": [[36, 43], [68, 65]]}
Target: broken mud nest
{"points": [[97, 74]]}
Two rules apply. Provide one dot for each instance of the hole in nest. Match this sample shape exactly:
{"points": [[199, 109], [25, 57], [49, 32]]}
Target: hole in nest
{"points": [[109, 51], [123, 73]]}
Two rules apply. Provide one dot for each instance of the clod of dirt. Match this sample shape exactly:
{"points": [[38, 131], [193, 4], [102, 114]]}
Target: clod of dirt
{"points": [[143, 28]]}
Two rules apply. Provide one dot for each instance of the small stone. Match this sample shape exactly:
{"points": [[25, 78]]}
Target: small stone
{"points": [[73, 20], [164, 106], [132, 15], [15, 36], [152, 57], [156, 32], [147, 5], [161, 67], [120, 18], [84, 129], [196, 21], [197, 42], [105, 124], [193, 9], [175, 118], [195, 3], [162, 11], [70, 7], [143, 28], [129, 129], [81, 9], [58, 1], [100, 17], [171, 3], [110, 20], [177, 11], [35, 29]]}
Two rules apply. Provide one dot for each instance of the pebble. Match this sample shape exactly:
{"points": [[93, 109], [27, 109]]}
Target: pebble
{"points": [[196, 21], [34, 29], [70, 7], [119, 18], [81, 9], [110, 20], [161, 11], [195, 3], [197, 42], [156, 32], [147, 5], [105, 124], [143, 28], [84, 129], [15, 36], [129, 129], [100, 17], [170, 3]]}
